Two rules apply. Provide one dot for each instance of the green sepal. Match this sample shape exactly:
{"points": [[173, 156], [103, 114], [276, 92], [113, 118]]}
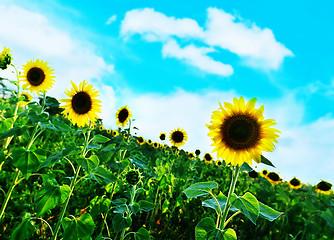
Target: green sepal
{"points": [[266, 161]]}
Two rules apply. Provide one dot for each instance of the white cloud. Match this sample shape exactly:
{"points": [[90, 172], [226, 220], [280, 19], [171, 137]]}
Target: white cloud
{"points": [[31, 35], [257, 46], [157, 26], [197, 57], [111, 19]]}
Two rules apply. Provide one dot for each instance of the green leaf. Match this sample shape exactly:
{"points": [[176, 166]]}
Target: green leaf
{"points": [[24, 230], [135, 207], [119, 222], [102, 176], [165, 206], [78, 228], [142, 234], [121, 209], [101, 139], [221, 198], [89, 163], [246, 167], [206, 229], [99, 205], [61, 125], [71, 149], [65, 192], [229, 234], [269, 213], [47, 198], [266, 161], [27, 161], [200, 189], [146, 206], [52, 160], [247, 204], [15, 131]]}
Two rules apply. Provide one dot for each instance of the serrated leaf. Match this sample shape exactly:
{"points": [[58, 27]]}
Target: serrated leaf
{"points": [[268, 213], [79, 228], [200, 189], [247, 204], [266, 161], [101, 139], [23, 231], [102, 176], [142, 234]]}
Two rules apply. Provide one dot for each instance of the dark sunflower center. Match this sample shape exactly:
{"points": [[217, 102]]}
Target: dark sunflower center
{"points": [[81, 103], [207, 157], [123, 115], [219, 163], [35, 76], [253, 174], [294, 182], [140, 139], [198, 152], [177, 136], [265, 172], [240, 132], [324, 186], [273, 176], [162, 137]]}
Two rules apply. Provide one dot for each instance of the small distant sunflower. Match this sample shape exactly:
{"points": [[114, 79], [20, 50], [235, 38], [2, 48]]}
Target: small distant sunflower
{"points": [[101, 128], [178, 137], [156, 145], [122, 116], [125, 135], [295, 183], [273, 178], [108, 131], [191, 155], [219, 163], [197, 152], [324, 187], [140, 140], [27, 99], [82, 105], [253, 174], [207, 158], [240, 133], [149, 142], [5, 58], [37, 76], [115, 133], [264, 173], [162, 136]]}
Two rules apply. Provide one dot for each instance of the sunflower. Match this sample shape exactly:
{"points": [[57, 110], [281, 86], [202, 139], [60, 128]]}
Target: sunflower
{"points": [[324, 187], [253, 174], [140, 140], [82, 104], [197, 152], [178, 137], [162, 136], [101, 128], [115, 133], [273, 178], [149, 142], [122, 116], [92, 126], [156, 145], [108, 131], [295, 183], [37, 76], [240, 133], [264, 173], [5, 58], [207, 158], [191, 155], [27, 99], [219, 163]]}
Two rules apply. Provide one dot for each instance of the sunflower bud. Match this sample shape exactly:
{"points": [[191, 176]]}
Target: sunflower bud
{"points": [[132, 177], [5, 58]]}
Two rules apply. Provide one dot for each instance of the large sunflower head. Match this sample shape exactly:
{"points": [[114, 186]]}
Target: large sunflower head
{"points": [[122, 116], [37, 76], [295, 183], [5, 58], [240, 133], [324, 187], [82, 104], [178, 137]]}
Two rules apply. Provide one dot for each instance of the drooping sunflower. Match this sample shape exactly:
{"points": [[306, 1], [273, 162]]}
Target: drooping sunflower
{"points": [[207, 158], [178, 137], [295, 183], [274, 178], [82, 104], [324, 188], [253, 174], [27, 99], [37, 76], [162, 136], [140, 140], [5, 58], [122, 116], [240, 133]]}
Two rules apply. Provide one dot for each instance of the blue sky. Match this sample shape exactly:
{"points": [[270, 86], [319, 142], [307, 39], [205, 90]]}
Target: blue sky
{"points": [[172, 62]]}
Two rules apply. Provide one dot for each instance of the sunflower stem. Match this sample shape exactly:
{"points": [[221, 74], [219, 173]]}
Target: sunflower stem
{"points": [[228, 204], [9, 193]]}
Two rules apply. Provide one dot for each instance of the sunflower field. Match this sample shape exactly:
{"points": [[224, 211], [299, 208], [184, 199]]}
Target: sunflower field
{"points": [[64, 176]]}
